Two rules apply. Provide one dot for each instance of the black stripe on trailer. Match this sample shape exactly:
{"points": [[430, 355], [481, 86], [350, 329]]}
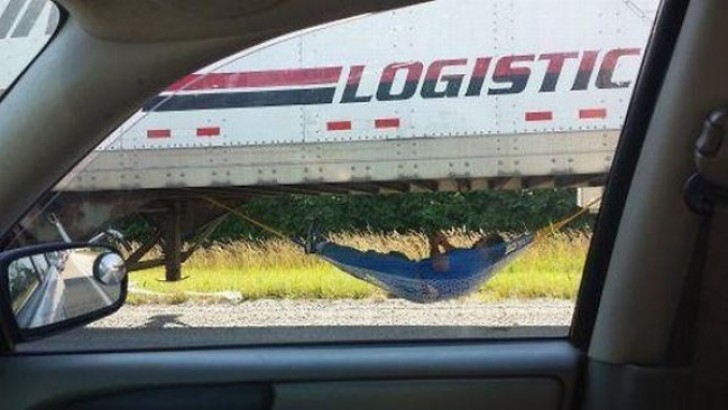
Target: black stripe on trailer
{"points": [[187, 102]]}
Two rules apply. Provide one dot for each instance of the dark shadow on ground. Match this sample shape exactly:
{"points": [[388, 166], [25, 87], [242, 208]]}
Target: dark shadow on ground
{"points": [[163, 321]]}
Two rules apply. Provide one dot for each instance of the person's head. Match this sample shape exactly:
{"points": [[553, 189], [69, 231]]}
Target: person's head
{"points": [[492, 241]]}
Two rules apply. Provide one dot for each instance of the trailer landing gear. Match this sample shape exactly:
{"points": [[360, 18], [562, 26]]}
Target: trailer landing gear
{"points": [[169, 234]]}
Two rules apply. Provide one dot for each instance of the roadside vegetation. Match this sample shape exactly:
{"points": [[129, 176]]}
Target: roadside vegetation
{"points": [[274, 268], [490, 210]]}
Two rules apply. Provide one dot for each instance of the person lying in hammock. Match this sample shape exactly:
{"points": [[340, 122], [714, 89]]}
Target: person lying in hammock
{"points": [[448, 273], [444, 257]]}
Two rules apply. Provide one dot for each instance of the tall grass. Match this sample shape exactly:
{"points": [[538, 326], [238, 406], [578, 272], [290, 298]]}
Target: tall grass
{"points": [[279, 269]]}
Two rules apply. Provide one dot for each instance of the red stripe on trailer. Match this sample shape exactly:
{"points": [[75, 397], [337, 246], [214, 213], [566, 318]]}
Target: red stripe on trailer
{"points": [[590, 113], [355, 74], [258, 79], [208, 132], [338, 126], [386, 123], [159, 133], [539, 116]]}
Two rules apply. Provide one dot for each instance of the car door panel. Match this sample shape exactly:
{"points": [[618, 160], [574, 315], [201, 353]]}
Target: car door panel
{"points": [[464, 394], [520, 374], [235, 396]]}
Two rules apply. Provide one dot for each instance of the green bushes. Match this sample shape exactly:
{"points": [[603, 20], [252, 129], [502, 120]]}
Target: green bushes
{"points": [[511, 211], [504, 211]]}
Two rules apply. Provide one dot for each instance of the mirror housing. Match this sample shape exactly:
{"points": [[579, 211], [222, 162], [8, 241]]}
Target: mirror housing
{"points": [[109, 268], [49, 288]]}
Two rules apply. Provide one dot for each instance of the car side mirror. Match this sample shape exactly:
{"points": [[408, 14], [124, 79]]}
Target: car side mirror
{"points": [[54, 287]]}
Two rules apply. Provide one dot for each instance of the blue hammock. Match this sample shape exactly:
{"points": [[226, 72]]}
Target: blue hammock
{"points": [[418, 281]]}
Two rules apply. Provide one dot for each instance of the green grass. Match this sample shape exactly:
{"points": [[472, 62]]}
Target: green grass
{"points": [[275, 269]]}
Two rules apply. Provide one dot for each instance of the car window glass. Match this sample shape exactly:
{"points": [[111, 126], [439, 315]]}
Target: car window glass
{"points": [[25, 27], [431, 172]]}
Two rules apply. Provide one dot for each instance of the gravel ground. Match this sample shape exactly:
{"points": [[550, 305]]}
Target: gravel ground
{"points": [[344, 313]]}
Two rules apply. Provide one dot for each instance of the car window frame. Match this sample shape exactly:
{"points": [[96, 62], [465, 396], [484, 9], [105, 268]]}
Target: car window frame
{"points": [[659, 49]]}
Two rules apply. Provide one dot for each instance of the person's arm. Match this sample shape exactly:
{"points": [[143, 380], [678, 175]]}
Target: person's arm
{"points": [[434, 246], [440, 261], [446, 245], [437, 241]]}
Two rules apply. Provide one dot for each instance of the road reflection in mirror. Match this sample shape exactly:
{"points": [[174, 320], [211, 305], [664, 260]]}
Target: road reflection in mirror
{"points": [[51, 287]]}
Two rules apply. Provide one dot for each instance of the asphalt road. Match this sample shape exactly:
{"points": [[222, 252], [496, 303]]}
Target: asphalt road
{"points": [[289, 321]]}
